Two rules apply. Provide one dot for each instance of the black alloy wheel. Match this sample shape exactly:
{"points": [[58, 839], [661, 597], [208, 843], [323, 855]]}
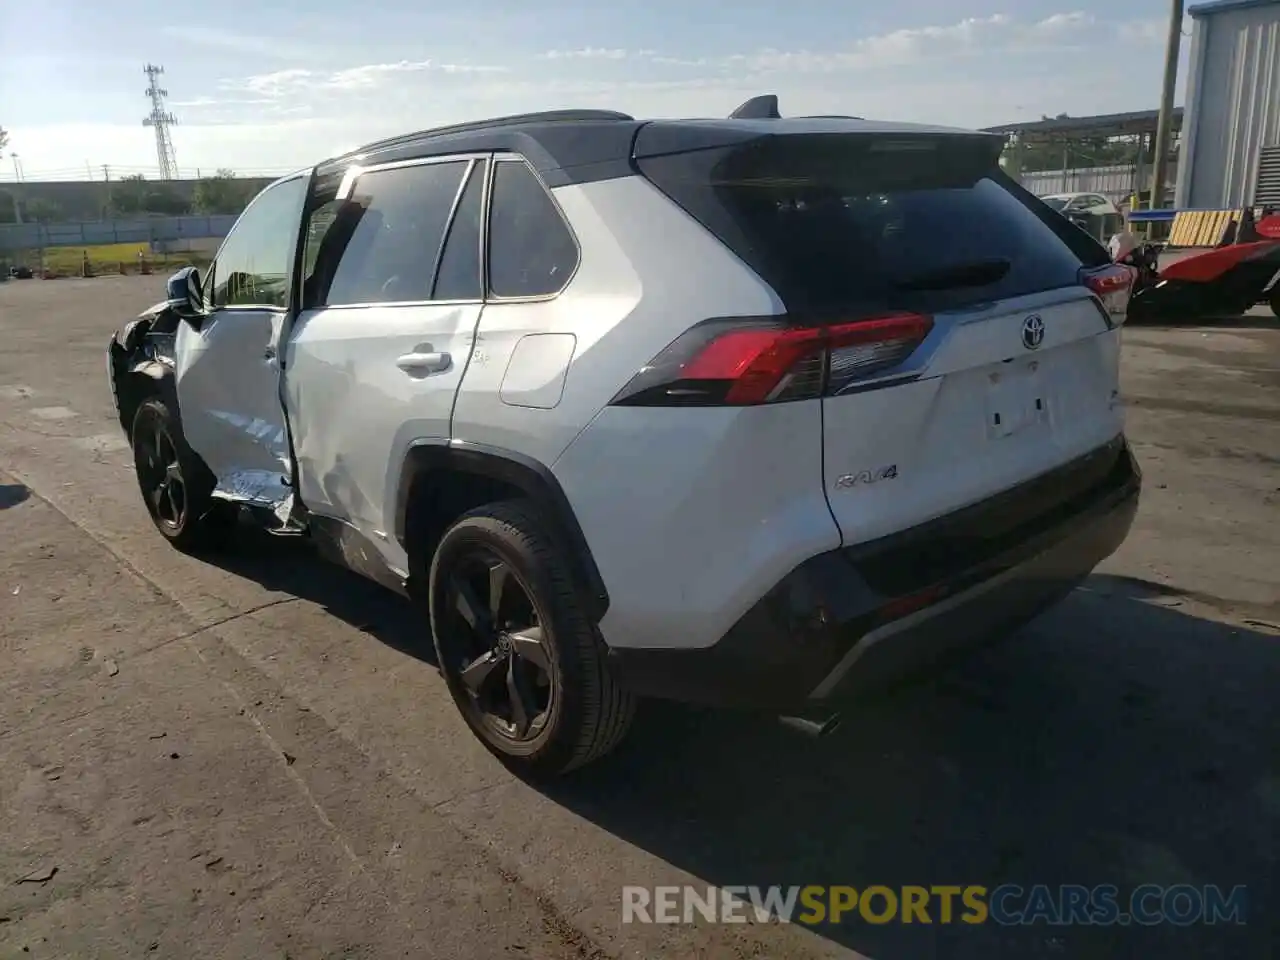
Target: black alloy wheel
{"points": [[523, 662], [498, 647], [175, 484], [160, 475]]}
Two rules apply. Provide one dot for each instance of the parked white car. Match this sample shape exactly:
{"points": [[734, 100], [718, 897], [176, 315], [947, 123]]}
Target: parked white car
{"points": [[1098, 215], [755, 411]]}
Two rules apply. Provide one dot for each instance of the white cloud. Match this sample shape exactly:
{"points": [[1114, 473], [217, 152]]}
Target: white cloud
{"points": [[202, 102], [991, 34], [683, 61], [372, 74], [596, 53], [1062, 24], [469, 68], [273, 85], [296, 81]]}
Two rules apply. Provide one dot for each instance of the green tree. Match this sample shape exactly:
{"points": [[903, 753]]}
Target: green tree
{"points": [[221, 193], [8, 207], [4, 138], [42, 210], [129, 195], [163, 200], [1072, 153]]}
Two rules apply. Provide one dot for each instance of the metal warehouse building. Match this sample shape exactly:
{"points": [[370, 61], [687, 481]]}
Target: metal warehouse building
{"points": [[1231, 128]]}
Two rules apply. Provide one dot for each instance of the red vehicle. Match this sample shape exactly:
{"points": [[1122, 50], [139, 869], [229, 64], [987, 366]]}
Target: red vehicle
{"points": [[1225, 281]]}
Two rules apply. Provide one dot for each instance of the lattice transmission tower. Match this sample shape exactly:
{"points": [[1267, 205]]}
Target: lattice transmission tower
{"points": [[162, 120]]}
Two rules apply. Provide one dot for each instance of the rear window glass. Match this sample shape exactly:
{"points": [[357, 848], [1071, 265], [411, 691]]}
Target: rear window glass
{"points": [[837, 221]]}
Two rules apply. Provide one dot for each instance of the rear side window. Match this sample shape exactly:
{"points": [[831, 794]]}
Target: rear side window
{"points": [[855, 222], [388, 235], [532, 252]]}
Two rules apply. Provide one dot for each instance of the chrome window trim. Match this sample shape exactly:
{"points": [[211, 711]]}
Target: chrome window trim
{"points": [[448, 222], [355, 171]]}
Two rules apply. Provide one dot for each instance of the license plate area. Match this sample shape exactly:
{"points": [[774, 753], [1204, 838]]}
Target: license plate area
{"points": [[1017, 401]]}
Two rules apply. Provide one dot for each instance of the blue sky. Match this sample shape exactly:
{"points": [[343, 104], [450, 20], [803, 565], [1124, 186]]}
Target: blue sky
{"points": [[266, 91]]}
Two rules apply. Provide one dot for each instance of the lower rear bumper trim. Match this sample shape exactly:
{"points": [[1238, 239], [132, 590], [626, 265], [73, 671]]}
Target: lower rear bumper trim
{"points": [[821, 636]]}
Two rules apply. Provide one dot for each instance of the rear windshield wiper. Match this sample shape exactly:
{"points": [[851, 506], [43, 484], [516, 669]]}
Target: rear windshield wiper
{"points": [[977, 273]]}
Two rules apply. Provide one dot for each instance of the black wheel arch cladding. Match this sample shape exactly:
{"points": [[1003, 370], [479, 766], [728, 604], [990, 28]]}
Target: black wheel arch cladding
{"points": [[432, 461]]}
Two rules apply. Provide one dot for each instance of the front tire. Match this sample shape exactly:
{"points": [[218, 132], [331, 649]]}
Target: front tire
{"points": [[1275, 301], [175, 486], [523, 662]]}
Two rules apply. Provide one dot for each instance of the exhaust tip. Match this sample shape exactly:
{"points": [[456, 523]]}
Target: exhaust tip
{"points": [[811, 727]]}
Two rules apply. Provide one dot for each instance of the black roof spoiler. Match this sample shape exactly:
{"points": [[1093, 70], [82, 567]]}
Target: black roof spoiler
{"points": [[763, 107]]}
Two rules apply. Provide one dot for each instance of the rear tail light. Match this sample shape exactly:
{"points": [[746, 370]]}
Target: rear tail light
{"points": [[747, 362], [1112, 286]]}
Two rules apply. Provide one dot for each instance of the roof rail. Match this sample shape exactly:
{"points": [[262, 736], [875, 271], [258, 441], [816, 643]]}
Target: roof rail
{"points": [[545, 116], [764, 107], [833, 116]]}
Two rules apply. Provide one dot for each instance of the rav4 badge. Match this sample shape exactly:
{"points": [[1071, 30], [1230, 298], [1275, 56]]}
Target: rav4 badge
{"points": [[867, 476]]}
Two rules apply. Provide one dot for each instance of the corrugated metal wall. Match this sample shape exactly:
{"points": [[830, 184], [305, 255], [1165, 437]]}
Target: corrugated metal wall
{"points": [[1233, 104], [1268, 193]]}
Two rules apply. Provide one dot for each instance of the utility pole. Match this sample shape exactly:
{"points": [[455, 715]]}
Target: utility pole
{"points": [[1164, 125], [106, 173], [17, 175], [161, 120]]}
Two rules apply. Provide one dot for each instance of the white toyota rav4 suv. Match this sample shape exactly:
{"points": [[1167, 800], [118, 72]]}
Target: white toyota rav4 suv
{"points": [[751, 412]]}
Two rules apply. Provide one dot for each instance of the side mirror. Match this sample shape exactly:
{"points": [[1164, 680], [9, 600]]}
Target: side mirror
{"points": [[184, 296]]}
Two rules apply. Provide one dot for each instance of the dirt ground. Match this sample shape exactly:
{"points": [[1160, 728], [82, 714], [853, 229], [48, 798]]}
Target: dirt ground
{"points": [[256, 758]]}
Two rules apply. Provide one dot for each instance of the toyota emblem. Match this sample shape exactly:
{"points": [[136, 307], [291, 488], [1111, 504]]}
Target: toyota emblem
{"points": [[1032, 331]]}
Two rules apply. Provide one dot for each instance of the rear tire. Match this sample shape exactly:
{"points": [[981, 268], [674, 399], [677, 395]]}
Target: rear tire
{"points": [[523, 662], [1275, 301], [175, 486]]}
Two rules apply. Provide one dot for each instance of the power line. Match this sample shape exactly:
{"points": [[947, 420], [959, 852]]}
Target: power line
{"points": [[115, 171], [161, 120]]}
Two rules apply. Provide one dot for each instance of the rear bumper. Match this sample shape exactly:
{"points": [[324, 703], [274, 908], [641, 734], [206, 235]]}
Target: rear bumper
{"points": [[861, 617]]}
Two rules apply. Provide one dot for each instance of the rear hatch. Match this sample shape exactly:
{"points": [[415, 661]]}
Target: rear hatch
{"points": [[972, 336]]}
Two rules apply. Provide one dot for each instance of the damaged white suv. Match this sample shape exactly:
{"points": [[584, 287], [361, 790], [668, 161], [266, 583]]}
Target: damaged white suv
{"points": [[751, 412]]}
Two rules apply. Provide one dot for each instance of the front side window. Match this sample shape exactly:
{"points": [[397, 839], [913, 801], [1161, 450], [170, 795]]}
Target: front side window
{"points": [[255, 262], [384, 240], [532, 252]]}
